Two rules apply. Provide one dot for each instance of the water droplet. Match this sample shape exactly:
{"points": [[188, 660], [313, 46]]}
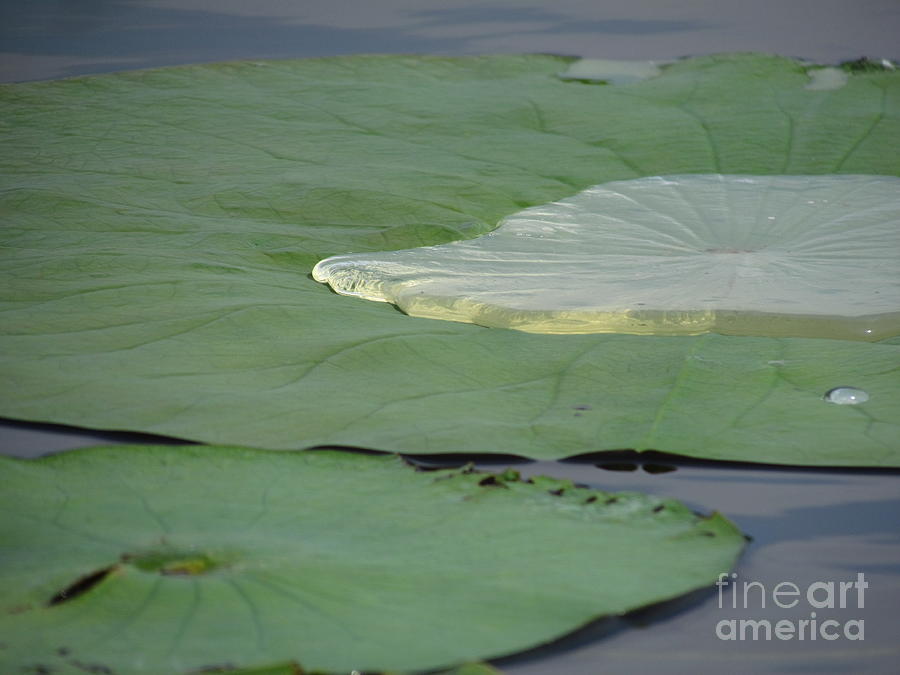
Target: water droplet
{"points": [[846, 396]]}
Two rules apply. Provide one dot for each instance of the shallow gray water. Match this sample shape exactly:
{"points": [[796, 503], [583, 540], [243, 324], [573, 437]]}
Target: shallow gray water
{"points": [[807, 525], [43, 39]]}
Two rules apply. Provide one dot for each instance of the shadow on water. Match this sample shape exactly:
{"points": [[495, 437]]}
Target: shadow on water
{"points": [[676, 460], [36, 439], [606, 626]]}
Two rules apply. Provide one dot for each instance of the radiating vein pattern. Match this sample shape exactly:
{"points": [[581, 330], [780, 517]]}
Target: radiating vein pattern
{"points": [[805, 256]]}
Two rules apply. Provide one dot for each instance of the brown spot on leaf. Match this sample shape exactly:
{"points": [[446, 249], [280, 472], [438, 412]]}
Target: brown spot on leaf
{"points": [[491, 481], [81, 586]]}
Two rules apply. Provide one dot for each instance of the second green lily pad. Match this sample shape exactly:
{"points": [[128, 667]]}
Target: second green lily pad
{"points": [[171, 560]]}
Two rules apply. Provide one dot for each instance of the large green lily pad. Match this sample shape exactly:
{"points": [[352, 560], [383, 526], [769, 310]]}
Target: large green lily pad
{"points": [[142, 559], [160, 227]]}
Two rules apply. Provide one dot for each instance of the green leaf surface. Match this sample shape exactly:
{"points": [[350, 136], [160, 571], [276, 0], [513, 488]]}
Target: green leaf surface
{"points": [[160, 227], [143, 559]]}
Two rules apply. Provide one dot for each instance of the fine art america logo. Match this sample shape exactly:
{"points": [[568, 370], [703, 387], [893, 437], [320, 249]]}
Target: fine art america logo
{"points": [[824, 603]]}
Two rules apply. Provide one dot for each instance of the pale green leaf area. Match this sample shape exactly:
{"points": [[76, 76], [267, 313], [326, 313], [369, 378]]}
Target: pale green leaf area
{"points": [[161, 559], [160, 227], [796, 256]]}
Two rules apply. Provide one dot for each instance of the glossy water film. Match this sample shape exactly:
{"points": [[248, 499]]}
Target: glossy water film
{"points": [[610, 71], [807, 256], [826, 79], [846, 396]]}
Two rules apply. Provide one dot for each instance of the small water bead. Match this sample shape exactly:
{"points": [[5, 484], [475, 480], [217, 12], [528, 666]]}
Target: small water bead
{"points": [[846, 396]]}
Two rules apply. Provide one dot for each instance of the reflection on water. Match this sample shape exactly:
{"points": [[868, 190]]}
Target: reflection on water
{"points": [[632, 466], [44, 39]]}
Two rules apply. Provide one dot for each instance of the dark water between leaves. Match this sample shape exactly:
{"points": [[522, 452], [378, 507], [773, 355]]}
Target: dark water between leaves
{"points": [[806, 525]]}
